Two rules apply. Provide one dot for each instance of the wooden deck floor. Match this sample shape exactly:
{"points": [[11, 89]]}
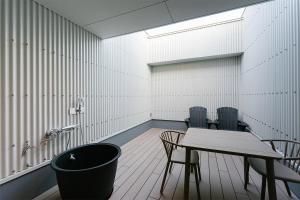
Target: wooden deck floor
{"points": [[141, 167]]}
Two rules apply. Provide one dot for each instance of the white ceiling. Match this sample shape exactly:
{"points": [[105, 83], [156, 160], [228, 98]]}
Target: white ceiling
{"points": [[109, 18]]}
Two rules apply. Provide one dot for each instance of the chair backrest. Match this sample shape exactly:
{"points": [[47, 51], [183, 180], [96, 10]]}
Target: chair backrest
{"points": [[228, 118], [198, 116], [170, 141], [291, 152]]}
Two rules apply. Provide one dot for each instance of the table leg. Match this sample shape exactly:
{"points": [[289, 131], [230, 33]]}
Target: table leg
{"points": [[271, 179], [246, 172], [187, 173]]}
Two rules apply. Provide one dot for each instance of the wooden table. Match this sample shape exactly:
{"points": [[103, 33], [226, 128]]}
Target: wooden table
{"points": [[229, 142]]}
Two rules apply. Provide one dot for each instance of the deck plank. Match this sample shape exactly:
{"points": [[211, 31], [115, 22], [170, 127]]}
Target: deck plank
{"points": [[252, 191], [227, 187], [133, 165], [141, 168], [171, 184], [235, 179], [205, 173], [136, 187], [130, 157], [133, 174], [215, 181], [147, 187], [179, 192], [155, 192]]}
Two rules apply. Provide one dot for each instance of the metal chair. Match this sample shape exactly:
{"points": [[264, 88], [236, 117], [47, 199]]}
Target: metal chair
{"points": [[170, 141], [286, 169], [198, 117]]}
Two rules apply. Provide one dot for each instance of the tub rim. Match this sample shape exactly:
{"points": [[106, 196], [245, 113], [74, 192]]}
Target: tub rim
{"points": [[56, 168]]}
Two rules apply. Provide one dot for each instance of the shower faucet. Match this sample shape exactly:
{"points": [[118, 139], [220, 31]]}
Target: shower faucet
{"points": [[78, 108], [54, 132]]}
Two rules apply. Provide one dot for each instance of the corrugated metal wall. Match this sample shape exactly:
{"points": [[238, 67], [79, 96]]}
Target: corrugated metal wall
{"points": [[210, 83], [47, 63], [224, 39], [270, 69]]}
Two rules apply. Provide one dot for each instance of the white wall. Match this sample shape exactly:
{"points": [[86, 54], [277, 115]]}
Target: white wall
{"points": [[270, 69], [213, 41], [46, 63], [209, 83]]}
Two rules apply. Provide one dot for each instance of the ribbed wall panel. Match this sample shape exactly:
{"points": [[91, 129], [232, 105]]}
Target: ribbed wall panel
{"points": [[223, 39], [47, 62], [210, 83], [270, 69]]}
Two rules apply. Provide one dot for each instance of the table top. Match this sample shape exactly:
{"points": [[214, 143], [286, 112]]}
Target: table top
{"points": [[231, 142]]}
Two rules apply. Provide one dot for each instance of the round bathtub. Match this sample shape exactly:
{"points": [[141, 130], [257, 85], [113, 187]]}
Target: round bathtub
{"points": [[87, 172]]}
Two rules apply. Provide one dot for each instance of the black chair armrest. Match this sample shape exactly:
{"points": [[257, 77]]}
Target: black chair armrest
{"points": [[279, 140], [242, 126], [187, 122], [248, 129]]}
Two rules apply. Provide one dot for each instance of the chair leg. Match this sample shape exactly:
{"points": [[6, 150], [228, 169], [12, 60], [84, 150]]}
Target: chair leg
{"points": [[192, 169], [165, 176], [197, 180], [171, 165], [198, 166], [246, 172], [287, 188], [263, 188]]}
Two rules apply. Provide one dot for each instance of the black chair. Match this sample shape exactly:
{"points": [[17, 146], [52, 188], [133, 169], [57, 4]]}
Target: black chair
{"points": [[198, 117], [285, 169], [228, 120]]}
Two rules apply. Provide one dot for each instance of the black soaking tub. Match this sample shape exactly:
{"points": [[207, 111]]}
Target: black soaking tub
{"points": [[87, 172]]}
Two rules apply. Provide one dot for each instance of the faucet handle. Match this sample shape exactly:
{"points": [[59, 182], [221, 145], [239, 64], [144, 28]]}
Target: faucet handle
{"points": [[52, 132], [72, 157]]}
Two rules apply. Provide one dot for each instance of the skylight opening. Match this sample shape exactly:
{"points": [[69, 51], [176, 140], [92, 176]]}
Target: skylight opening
{"points": [[196, 23]]}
